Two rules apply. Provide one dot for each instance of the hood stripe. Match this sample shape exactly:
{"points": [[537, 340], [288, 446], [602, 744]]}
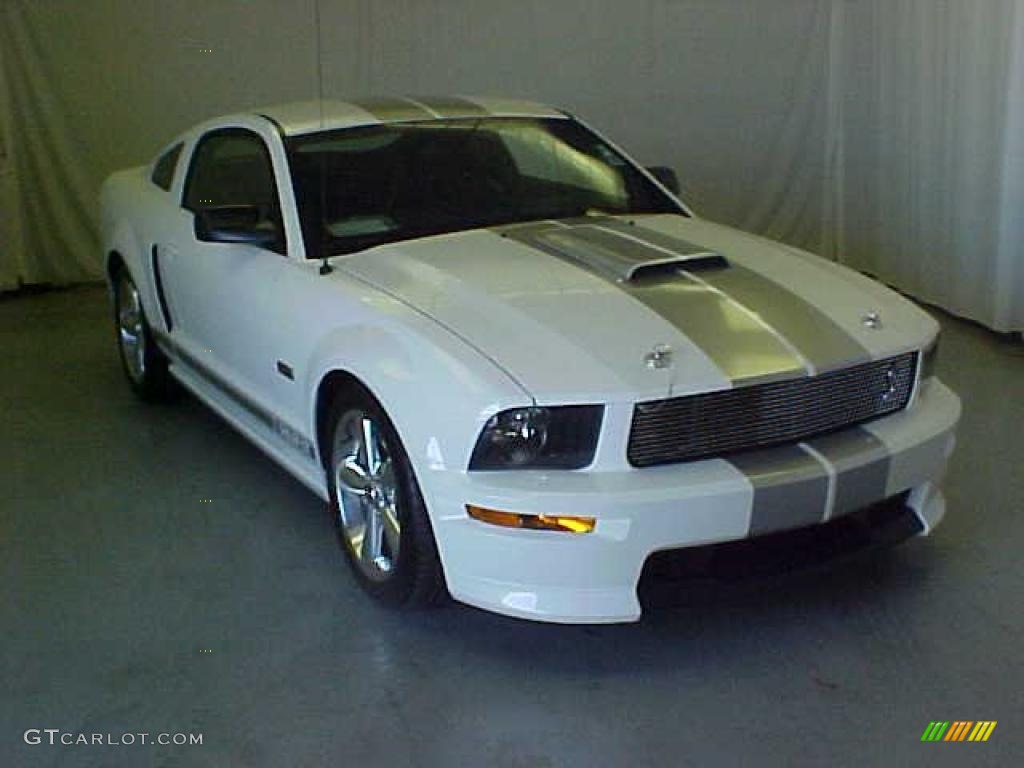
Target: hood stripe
{"points": [[819, 339], [659, 292], [744, 348], [619, 254]]}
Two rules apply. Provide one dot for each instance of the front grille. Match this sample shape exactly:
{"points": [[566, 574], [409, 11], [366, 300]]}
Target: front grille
{"points": [[719, 423]]}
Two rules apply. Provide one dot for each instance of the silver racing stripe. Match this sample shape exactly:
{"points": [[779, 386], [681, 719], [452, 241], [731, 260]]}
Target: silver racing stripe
{"points": [[736, 339], [819, 340], [530, 233], [394, 109], [617, 254], [452, 106], [793, 485], [814, 481], [791, 488], [404, 108], [861, 465]]}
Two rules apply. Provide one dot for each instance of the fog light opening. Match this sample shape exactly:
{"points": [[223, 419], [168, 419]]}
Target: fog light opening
{"points": [[561, 523]]}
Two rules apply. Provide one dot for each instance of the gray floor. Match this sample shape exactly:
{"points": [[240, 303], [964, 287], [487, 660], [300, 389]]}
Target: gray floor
{"points": [[133, 605]]}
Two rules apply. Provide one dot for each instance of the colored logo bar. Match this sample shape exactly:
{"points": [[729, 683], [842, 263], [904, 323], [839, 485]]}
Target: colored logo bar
{"points": [[958, 730]]}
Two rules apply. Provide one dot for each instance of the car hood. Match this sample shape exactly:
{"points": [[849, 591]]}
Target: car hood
{"points": [[606, 309]]}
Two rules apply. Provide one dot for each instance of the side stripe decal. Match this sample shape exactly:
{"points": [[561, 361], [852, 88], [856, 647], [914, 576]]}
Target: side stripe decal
{"points": [[290, 435]]}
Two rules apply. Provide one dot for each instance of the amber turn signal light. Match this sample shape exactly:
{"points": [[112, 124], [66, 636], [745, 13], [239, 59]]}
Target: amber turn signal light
{"points": [[563, 523]]}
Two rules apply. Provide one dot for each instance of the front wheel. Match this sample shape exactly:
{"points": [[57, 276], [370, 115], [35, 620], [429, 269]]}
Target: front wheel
{"points": [[144, 364], [379, 514]]}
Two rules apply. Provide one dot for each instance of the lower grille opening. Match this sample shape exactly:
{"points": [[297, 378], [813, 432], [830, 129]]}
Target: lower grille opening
{"points": [[886, 523]]}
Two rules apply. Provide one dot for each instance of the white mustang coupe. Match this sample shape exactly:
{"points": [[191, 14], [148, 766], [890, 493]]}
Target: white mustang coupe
{"points": [[520, 370]]}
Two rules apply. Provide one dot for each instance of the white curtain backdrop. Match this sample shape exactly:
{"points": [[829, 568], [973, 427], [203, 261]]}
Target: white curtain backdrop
{"points": [[10, 215], [878, 132], [730, 92], [929, 185], [1009, 302]]}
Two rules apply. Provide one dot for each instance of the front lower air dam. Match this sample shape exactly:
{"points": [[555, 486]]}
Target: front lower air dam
{"points": [[561, 523]]}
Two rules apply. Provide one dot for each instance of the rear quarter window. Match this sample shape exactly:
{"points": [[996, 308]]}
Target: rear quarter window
{"points": [[163, 170]]}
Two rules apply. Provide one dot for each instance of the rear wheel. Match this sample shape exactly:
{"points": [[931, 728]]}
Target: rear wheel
{"points": [[379, 514], [145, 366]]}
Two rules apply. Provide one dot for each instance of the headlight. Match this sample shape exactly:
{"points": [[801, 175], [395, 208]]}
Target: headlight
{"points": [[928, 355], [563, 437]]}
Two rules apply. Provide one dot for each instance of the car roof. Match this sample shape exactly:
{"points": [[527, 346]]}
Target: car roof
{"points": [[301, 117]]}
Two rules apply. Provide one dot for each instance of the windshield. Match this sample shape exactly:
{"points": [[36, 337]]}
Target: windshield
{"points": [[360, 187]]}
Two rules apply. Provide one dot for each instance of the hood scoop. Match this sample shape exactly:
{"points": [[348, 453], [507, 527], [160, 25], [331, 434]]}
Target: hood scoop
{"points": [[626, 254], [705, 261]]}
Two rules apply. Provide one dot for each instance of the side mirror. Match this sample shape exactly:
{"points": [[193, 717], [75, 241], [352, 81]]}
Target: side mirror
{"points": [[666, 176], [235, 224]]}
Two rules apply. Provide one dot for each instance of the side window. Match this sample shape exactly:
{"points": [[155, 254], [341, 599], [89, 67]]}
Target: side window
{"points": [[163, 171], [232, 167]]}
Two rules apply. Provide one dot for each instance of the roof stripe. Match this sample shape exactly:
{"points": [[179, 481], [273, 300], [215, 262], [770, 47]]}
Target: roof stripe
{"points": [[453, 106], [393, 109], [298, 118]]}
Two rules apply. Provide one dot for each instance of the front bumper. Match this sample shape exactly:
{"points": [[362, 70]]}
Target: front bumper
{"points": [[667, 573], [593, 578]]}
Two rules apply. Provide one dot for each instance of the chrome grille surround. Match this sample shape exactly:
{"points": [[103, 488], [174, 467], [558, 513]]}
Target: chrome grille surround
{"points": [[728, 421]]}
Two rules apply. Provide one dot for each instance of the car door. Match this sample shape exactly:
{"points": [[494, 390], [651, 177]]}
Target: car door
{"points": [[223, 292], [228, 167]]}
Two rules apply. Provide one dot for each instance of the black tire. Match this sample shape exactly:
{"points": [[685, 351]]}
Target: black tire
{"points": [[415, 577], [143, 363]]}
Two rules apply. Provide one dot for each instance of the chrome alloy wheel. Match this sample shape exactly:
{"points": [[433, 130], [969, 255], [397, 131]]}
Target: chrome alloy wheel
{"points": [[131, 332], [366, 494]]}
